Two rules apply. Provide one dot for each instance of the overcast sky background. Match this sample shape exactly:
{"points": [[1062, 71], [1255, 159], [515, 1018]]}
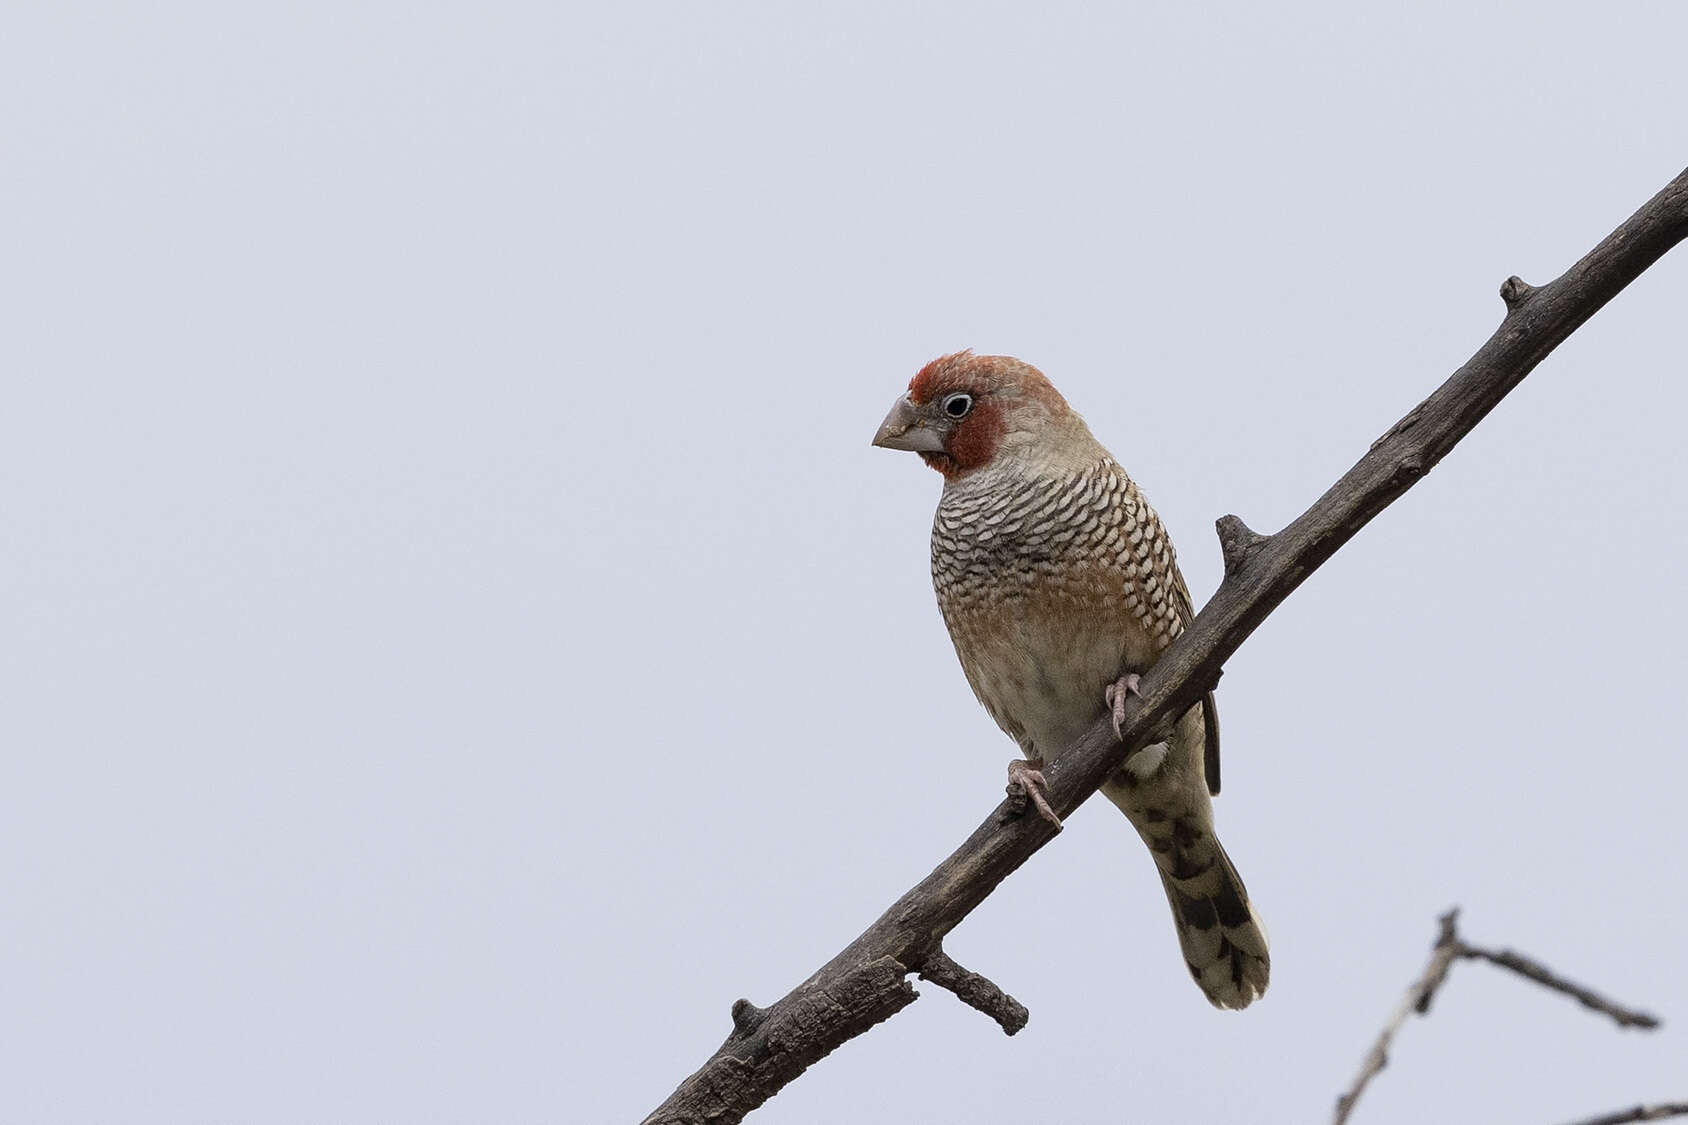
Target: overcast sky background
{"points": [[457, 638]]}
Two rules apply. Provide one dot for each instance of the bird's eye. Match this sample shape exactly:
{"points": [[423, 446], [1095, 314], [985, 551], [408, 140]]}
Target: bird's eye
{"points": [[958, 404]]}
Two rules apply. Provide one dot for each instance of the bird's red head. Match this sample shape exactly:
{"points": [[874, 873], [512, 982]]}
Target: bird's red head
{"points": [[960, 410]]}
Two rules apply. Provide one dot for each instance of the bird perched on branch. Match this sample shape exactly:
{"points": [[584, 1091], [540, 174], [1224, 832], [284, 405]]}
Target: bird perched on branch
{"points": [[1059, 586]]}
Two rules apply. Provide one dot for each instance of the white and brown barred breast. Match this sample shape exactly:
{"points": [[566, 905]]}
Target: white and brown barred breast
{"points": [[1053, 584]]}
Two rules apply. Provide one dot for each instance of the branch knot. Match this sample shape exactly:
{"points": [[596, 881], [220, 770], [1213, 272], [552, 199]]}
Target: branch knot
{"points": [[1237, 542], [747, 1017], [1515, 291]]}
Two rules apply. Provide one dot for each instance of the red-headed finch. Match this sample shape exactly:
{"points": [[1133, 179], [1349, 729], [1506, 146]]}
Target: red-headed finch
{"points": [[1059, 585]]}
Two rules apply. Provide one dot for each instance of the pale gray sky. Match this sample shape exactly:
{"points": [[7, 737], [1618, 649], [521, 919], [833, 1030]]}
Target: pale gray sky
{"points": [[457, 637]]}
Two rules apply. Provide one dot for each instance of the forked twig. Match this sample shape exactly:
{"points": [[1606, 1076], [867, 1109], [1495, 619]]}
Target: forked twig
{"points": [[1450, 947]]}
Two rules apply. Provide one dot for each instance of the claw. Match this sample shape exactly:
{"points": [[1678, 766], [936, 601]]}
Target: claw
{"points": [[1026, 778], [1115, 694]]}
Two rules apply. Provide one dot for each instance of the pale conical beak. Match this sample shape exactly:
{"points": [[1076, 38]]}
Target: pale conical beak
{"points": [[905, 428]]}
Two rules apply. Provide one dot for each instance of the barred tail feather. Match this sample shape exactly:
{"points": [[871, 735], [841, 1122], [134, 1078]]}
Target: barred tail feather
{"points": [[1222, 938], [1163, 790]]}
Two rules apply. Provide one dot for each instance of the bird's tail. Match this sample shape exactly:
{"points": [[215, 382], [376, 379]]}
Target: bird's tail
{"points": [[1222, 937]]}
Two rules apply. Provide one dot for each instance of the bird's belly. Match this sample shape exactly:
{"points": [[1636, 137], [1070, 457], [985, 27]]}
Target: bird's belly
{"points": [[1043, 680]]}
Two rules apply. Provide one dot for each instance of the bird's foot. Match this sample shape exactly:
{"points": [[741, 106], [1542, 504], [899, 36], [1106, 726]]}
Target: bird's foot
{"points": [[1025, 779], [1115, 694]]}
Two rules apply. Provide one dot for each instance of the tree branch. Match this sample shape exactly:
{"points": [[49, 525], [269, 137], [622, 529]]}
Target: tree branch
{"points": [[809, 1022], [1531, 970], [1442, 957], [975, 991], [1450, 947], [1656, 1112]]}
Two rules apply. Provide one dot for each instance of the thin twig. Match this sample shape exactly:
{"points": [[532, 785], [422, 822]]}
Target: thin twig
{"points": [[1657, 1112], [1534, 970], [805, 1024], [1442, 956], [1450, 947]]}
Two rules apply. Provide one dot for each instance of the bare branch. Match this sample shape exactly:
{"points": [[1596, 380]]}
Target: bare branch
{"points": [[975, 991], [1442, 956], [801, 1028], [808, 1023], [1450, 947], [1657, 1112], [1447, 941], [1533, 970]]}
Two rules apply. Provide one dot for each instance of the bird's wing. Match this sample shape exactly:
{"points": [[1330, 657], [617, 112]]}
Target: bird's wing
{"points": [[1210, 709]]}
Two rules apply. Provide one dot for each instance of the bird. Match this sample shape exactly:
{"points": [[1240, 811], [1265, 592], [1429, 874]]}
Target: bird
{"points": [[1059, 587]]}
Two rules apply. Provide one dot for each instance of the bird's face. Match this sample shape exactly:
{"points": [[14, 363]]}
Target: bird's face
{"points": [[964, 411]]}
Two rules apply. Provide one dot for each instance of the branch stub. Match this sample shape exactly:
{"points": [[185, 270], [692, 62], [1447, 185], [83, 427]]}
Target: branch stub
{"points": [[1237, 542], [1515, 291]]}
